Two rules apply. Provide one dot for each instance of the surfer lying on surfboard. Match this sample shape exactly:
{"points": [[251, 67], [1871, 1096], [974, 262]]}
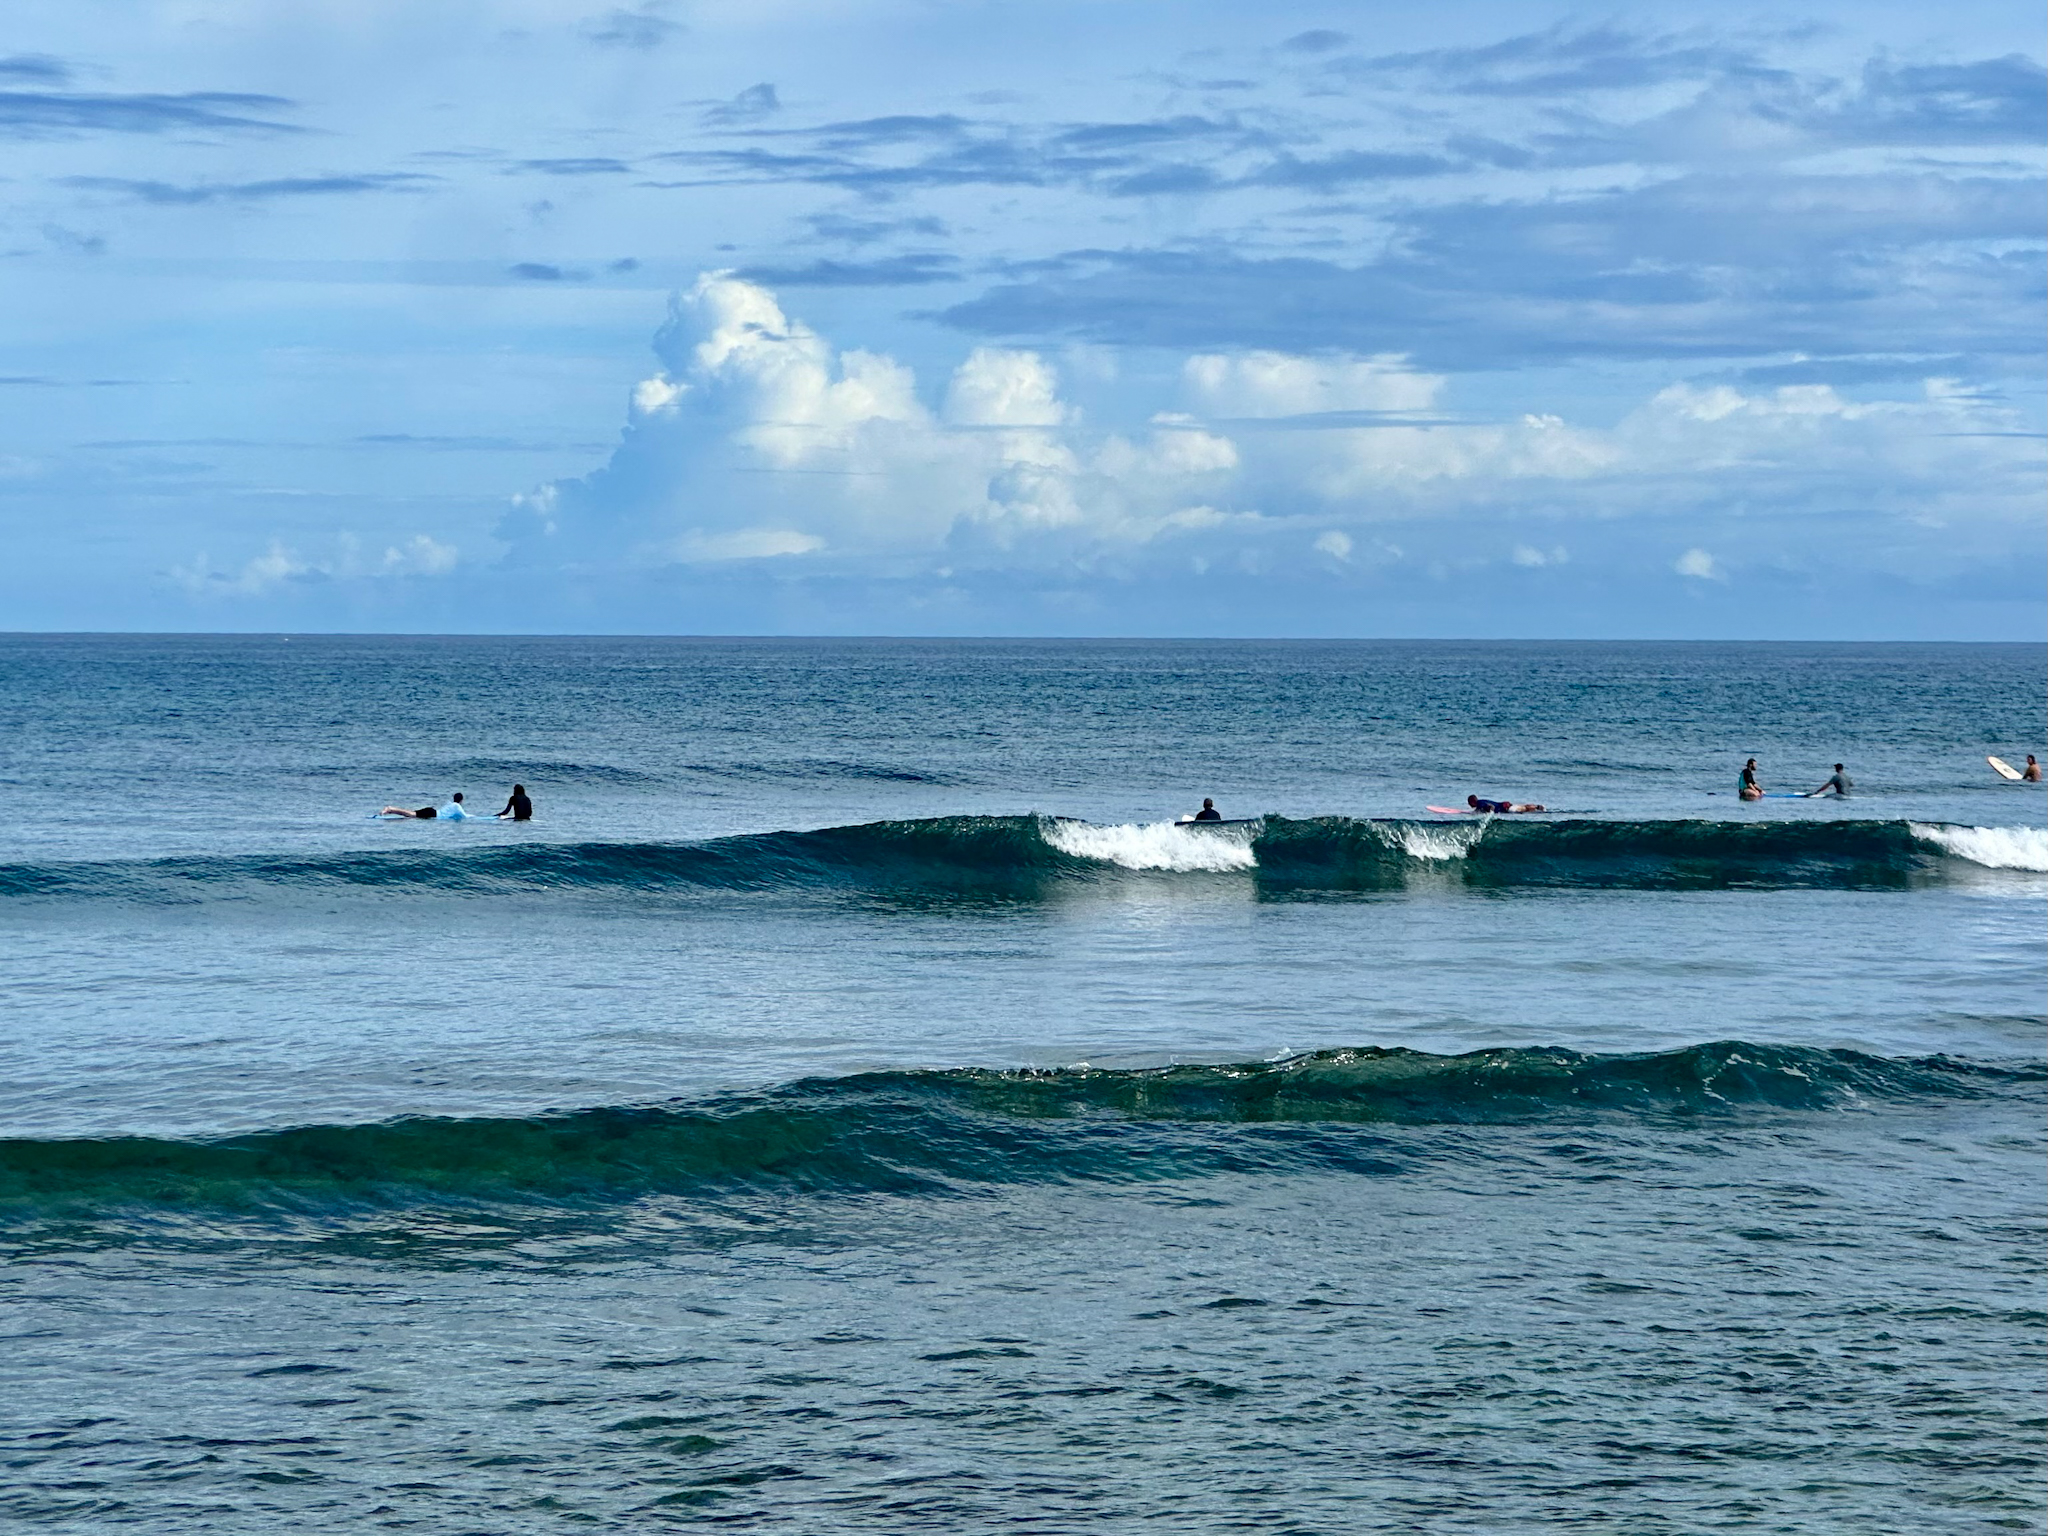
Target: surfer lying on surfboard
{"points": [[1486, 807]]}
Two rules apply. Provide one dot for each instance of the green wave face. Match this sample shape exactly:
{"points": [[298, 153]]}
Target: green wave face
{"points": [[936, 1132], [1026, 857]]}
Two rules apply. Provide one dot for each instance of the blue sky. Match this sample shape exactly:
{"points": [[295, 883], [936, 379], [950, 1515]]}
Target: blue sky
{"points": [[815, 316]]}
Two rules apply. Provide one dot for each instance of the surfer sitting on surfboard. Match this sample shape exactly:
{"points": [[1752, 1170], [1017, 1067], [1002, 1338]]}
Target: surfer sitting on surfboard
{"points": [[1749, 788], [1498, 807], [1208, 812]]}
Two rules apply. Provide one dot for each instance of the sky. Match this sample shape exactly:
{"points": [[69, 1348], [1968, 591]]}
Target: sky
{"points": [[1077, 317]]}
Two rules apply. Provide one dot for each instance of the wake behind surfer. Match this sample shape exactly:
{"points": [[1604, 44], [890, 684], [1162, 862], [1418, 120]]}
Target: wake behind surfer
{"points": [[1750, 788]]}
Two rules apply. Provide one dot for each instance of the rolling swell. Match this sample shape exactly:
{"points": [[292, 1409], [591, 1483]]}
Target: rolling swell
{"points": [[1023, 857], [933, 1132]]}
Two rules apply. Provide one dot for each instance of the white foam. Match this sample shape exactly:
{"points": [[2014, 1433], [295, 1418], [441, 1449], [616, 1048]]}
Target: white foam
{"points": [[1993, 847], [1155, 845], [1432, 844]]}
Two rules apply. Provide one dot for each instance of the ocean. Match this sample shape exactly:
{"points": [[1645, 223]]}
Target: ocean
{"points": [[853, 1104]]}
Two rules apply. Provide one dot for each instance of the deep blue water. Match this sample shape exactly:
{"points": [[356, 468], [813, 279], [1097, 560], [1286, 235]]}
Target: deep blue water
{"points": [[852, 1105]]}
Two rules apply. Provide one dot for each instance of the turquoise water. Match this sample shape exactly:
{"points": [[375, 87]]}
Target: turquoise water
{"points": [[851, 1104]]}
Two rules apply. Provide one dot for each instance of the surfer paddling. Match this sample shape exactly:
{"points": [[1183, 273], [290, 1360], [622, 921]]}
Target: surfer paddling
{"points": [[1499, 807], [454, 812], [1839, 785]]}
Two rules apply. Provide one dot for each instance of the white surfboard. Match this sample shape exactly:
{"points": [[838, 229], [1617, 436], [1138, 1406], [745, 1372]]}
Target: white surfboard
{"points": [[2002, 768]]}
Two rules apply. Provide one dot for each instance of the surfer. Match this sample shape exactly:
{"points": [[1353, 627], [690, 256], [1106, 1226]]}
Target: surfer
{"points": [[454, 812], [1208, 812], [2033, 770], [1750, 789], [1839, 784], [1499, 807], [518, 807]]}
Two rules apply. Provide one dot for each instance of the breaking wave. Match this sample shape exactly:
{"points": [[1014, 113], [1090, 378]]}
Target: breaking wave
{"points": [[1023, 857], [1993, 847]]}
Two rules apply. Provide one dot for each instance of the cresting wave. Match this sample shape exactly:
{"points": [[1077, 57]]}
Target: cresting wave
{"points": [[1027, 857], [1993, 847], [939, 1131]]}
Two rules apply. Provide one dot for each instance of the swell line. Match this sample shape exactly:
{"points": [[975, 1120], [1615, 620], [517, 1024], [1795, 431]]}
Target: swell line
{"points": [[1025, 856], [942, 1130]]}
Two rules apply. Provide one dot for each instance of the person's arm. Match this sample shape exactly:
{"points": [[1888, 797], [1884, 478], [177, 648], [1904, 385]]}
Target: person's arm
{"points": [[508, 809]]}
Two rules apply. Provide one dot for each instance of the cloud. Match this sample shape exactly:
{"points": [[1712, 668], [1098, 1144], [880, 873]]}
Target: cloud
{"points": [[47, 114], [698, 548], [855, 231], [642, 30], [589, 165], [1698, 564], [39, 67], [280, 565], [1564, 59], [910, 269], [1320, 40], [1278, 384], [761, 444], [758, 440], [750, 105], [168, 194], [1693, 267]]}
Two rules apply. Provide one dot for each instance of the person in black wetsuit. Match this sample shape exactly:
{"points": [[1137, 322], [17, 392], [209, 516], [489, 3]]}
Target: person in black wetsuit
{"points": [[518, 808], [1208, 812], [1498, 807]]}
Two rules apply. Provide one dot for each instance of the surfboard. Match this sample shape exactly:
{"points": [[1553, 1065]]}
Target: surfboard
{"points": [[2002, 768], [1228, 821], [1451, 810]]}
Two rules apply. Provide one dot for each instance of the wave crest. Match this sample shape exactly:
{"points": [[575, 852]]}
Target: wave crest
{"points": [[1027, 857], [1993, 847], [1164, 845]]}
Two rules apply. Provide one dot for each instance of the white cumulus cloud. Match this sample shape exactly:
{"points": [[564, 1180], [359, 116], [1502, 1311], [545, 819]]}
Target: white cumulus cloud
{"points": [[1699, 564]]}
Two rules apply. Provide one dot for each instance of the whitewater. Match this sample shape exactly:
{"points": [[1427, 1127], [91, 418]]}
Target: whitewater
{"points": [[857, 1101]]}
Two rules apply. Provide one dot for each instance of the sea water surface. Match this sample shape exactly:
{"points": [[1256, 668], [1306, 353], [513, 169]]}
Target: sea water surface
{"points": [[852, 1104]]}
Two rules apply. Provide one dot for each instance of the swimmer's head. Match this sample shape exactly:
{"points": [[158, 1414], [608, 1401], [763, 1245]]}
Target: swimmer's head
{"points": [[1472, 800], [1208, 805], [458, 797], [518, 789]]}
